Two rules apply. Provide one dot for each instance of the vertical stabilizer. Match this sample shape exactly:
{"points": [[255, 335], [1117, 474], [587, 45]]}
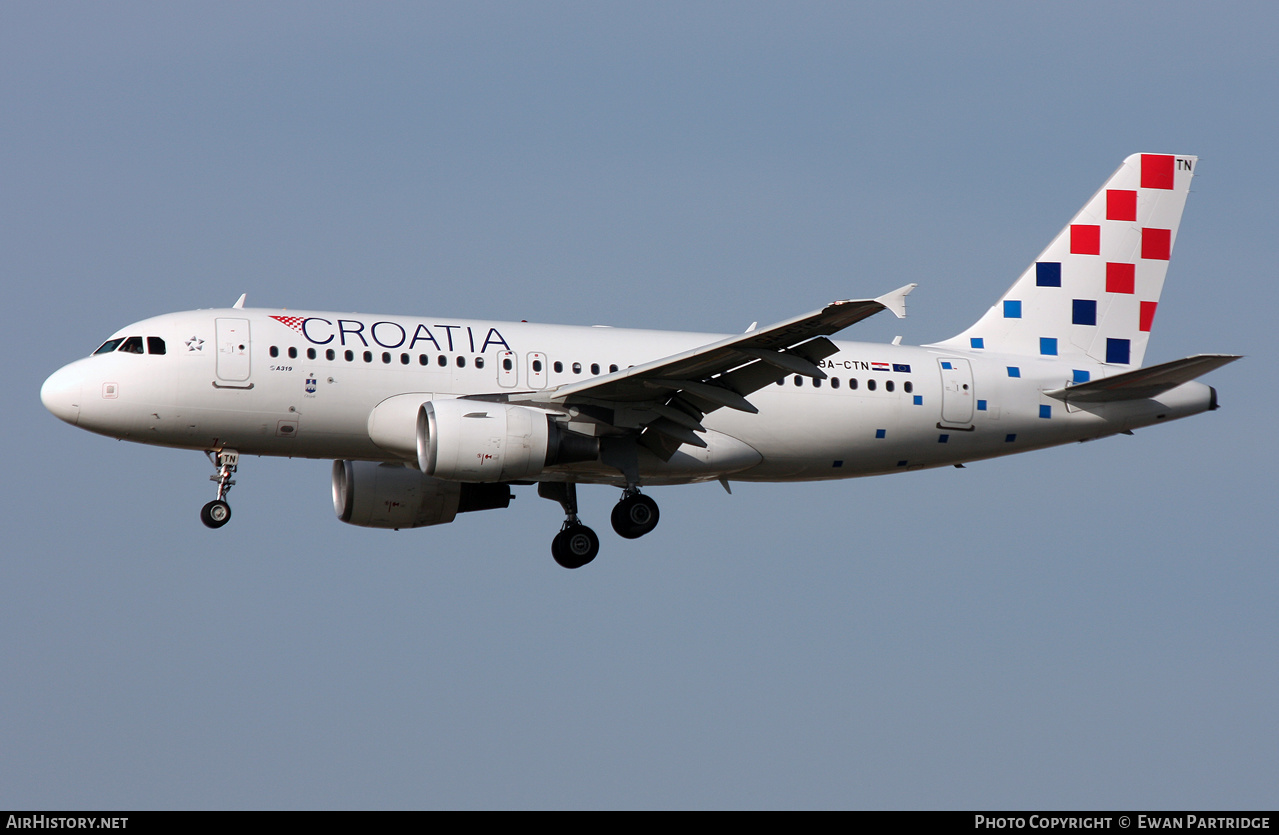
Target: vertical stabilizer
{"points": [[1091, 295]]}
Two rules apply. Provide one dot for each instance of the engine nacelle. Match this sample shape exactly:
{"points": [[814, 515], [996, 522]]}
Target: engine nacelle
{"points": [[477, 441], [375, 495]]}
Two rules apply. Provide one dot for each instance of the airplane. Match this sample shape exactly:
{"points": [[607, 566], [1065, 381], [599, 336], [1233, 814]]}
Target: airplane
{"points": [[429, 417]]}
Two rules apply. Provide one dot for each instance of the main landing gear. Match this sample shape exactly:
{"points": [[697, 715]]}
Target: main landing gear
{"points": [[576, 545], [635, 515], [217, 513]]}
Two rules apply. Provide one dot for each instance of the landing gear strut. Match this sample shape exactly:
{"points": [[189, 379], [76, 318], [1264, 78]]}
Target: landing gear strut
{"points": [[635, 515], [575, 545], [217, 513]]}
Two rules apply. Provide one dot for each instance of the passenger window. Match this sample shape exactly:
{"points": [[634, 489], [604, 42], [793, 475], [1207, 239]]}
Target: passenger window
{"points": [[612, 369], [834, 382], [909, 387], [461, 362], [310, 353], [852, 383], [595, 368], [293, 353], [537, 367], [386, 357], [349, 355], [507, 365], [479, 362], [404, 359], [870, 385], [132, 345], [330, 354], [155, 345], [274, 352], [799, 381], [368, 356], [889, 385], [441, 360], [559, 367], [817, 383], [108, 346], [577, 368], [421, 359]]}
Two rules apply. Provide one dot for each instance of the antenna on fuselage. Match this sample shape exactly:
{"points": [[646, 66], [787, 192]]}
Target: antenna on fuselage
{"points": [[240, 303]]}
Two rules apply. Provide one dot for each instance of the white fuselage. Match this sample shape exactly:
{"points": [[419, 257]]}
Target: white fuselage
{"points": [[303, 384]]}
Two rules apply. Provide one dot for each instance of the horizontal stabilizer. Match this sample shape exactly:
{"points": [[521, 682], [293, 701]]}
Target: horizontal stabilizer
{"points": [[1144, 382]]}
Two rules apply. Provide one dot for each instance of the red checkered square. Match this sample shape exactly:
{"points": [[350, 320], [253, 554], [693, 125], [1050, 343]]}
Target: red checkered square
{"points": [[1156, 244], [1157, 170], [1121, 278], [1147, 315], [1085, 240], [1121, 204]]}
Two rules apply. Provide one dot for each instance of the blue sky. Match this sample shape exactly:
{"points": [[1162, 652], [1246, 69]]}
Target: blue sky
{"points": [[1091, 626]]}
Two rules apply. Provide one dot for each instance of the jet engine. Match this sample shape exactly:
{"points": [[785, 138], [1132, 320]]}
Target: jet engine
{"points": [[374, 495], [478, 441]]}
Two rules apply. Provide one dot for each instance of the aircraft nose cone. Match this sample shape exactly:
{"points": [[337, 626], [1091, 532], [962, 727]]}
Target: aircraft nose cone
{"points": [[61, 394]]}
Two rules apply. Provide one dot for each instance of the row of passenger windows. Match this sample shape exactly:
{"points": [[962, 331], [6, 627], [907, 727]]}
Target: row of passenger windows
{"points": [[871, 384], [387, 357], [441, 360], [509, 365], [577, 368], [132, 345]]}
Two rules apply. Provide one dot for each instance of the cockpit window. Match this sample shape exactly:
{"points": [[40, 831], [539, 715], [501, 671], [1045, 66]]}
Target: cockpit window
{"points": [[132, 345], [155, 345], [108, 346]]}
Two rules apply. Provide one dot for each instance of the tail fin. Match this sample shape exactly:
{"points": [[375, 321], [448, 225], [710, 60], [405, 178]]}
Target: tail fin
{"points": [[1091, 295]]}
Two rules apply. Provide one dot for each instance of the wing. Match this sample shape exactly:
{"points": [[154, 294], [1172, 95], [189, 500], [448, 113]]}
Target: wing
{"points": [[667, 398]]}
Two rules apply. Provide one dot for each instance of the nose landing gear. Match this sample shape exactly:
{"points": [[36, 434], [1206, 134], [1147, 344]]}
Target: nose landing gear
{"points": [[217, 513]]}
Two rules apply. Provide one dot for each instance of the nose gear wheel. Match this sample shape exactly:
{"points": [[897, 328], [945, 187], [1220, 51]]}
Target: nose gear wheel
{"points": [[217, 513]]}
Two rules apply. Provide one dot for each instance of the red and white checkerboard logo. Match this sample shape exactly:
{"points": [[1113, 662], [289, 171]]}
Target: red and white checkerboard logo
{"points": [[294, 322]]}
